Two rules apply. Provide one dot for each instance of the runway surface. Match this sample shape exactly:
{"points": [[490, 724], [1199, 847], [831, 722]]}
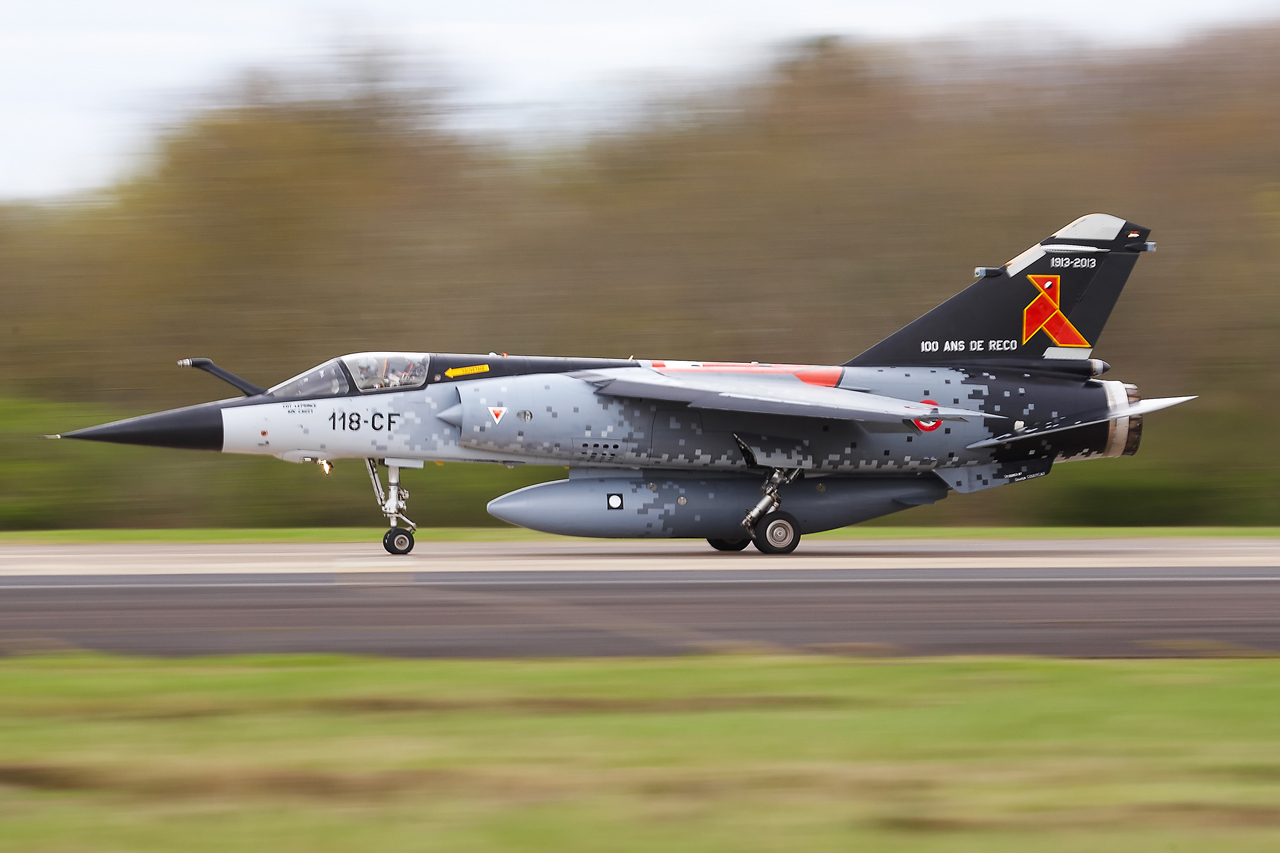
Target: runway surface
{"points": [[1135, 597]]}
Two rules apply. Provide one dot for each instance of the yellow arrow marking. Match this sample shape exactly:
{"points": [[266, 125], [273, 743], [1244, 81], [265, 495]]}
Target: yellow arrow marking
{"points": [[466, 371]]}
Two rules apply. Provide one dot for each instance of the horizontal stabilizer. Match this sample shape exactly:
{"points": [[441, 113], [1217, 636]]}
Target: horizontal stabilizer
{"points": [[1087, 419], [774, 395]]}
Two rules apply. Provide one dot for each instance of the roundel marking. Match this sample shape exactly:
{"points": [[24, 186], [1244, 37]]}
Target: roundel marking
{"points": [[928, 426]]}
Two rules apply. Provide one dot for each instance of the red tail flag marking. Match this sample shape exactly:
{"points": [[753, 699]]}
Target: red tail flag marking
{"points": [[1044, 313]]}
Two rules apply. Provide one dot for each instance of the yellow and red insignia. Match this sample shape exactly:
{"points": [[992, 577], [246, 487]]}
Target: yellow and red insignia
{"points": [[1044, 313]]}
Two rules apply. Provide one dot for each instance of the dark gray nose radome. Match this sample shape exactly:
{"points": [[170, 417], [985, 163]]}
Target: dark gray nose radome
{"points": [[192, 428]]}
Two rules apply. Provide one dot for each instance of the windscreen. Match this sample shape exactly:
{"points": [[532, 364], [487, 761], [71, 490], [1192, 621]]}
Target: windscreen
{"points": [[374, 371], [323, 381]]}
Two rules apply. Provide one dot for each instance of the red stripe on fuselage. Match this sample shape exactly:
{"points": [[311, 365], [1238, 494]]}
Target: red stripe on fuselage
{"points": [[811, 374]]}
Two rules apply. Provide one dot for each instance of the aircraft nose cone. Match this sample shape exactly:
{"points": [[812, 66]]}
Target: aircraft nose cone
{"points": [[191, 428]]}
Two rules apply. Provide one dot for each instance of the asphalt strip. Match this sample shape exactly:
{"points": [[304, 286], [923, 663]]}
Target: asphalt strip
{"points": [[629, 556]]}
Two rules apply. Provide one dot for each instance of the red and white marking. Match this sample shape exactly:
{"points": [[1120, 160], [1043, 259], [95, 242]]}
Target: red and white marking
{"points": [[497, 412], [827, 376], [928, 426]]}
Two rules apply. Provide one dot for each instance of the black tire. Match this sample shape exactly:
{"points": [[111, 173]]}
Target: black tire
{"points": [[777, 533], [729, 544], [397, 540]]}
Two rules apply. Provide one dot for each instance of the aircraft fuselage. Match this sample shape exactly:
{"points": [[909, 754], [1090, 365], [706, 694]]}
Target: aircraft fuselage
{"points": [[994, 386]]}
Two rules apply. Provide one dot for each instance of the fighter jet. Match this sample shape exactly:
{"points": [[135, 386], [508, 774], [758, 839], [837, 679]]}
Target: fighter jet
{"points": [[994, 386]]}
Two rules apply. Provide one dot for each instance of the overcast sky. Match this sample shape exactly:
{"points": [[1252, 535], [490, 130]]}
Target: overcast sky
{"points": [[83, 83]]}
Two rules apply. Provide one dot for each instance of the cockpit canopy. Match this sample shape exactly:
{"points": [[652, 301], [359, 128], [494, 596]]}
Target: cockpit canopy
{"points": [[374, 371], [327, 380], [371, 371]]}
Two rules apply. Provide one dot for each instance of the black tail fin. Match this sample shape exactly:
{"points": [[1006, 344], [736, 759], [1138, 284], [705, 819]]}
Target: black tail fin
{"points": [[1050, 302]]}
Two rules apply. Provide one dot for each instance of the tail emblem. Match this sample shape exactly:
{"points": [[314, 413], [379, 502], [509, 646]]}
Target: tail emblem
{"points": [[1044, 313]]}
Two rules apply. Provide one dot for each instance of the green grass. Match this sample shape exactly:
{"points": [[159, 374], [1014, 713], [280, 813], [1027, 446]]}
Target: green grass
{"points": [[722, 753], [514, 534]]}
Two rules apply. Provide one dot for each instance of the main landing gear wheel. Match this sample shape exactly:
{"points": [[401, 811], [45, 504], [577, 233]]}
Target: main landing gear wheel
{"points": [[729, 544], [777, 533], [398, 541]]}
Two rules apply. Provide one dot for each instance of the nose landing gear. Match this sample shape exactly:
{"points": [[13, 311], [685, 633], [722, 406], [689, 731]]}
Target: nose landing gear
{"points": [[392, 503]]}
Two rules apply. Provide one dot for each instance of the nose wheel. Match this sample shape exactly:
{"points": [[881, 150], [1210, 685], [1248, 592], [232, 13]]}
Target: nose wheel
{"points": [[398, 541], [392, 502]]}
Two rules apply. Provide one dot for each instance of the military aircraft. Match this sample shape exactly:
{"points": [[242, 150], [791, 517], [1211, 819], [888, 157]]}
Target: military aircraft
{"points": [[992, 387]]}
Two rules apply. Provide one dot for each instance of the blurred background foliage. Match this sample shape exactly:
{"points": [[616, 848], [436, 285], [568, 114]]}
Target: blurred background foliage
{"points": [[800, 215]]}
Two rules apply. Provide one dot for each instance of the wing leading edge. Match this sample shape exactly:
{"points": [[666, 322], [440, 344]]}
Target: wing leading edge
{"points": [[776, 395]]}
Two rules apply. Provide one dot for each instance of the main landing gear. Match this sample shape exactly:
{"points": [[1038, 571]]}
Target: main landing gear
{"points": [[769, 529], [777, 533], [392, 503]]}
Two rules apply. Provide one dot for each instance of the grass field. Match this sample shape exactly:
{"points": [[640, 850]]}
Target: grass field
{"points": [[515, 534], [722, 753]]}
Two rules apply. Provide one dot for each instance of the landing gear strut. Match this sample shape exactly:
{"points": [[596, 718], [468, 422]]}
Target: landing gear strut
{"points": [[772, 531], [392, 504]]}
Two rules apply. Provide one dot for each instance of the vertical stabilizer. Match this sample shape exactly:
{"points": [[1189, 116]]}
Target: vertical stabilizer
{"points": [[1050, 302]]}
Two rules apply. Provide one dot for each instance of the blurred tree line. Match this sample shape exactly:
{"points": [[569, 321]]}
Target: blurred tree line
{"points": [[801, 215]]}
